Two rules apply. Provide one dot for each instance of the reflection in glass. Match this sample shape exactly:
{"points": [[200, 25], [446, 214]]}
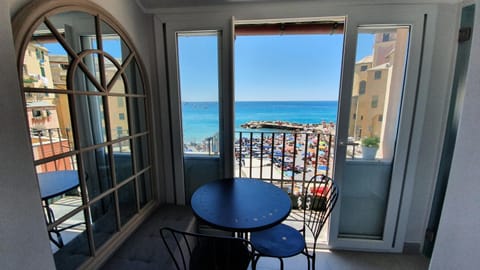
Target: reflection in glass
{"points": [[75, 24], [91, 61], [103, 220], [377, 92], [118, 117], [91, 120], [62, 164], [82, 82], [141, 152], [64, 108], [138, 114], [113, 44], [373, 122], [116, 86], [127, 199], [122, 156], [75, 239], [97, 168], [50, 126], [45, 61], [144, 187], [135, 83]]}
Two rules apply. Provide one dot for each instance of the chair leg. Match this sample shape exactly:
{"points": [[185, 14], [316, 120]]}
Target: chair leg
{"points": [[312, 258], [254, 262], [281, 263]]}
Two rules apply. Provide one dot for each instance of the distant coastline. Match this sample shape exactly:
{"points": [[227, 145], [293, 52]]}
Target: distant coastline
{"points": [[200, 119]]}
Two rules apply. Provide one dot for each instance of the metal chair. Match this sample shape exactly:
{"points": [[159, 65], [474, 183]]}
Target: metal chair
{"points": [[281, 241], [206, 252]]}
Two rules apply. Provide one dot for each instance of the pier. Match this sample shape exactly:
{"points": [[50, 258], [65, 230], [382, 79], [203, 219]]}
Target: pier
{"points": [[282, 125]]}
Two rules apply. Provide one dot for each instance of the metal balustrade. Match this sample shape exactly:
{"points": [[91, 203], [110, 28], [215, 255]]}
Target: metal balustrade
{"points": [[287, 159]]}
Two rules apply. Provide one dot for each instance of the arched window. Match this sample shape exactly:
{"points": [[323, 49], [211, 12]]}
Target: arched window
{"points": [[86, 104]]}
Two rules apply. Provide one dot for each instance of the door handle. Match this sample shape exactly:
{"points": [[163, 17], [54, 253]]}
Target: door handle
{"points": [[346, 143]]}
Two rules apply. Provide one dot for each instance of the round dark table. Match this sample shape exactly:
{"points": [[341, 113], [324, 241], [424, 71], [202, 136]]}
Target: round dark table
{"points": [[241, 204], [53, 184]]}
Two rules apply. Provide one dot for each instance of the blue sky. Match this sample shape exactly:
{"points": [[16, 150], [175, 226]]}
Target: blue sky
{"points": [[288, 67], [110, 46]]}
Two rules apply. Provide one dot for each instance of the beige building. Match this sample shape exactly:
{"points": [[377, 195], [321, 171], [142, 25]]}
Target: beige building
{"points": [[117, 105], [37, 74], [41, 70], [377, 88], [36, 67]]}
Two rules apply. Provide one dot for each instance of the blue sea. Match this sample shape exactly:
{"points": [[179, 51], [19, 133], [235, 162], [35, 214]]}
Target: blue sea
{"points": [[200, 119]]}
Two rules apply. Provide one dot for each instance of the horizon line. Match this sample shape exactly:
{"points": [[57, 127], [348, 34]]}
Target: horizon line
{"points": [[265, 100]]}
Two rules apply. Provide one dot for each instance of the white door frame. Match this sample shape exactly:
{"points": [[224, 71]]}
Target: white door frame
{"points": [[400, 193], [415, 95]]}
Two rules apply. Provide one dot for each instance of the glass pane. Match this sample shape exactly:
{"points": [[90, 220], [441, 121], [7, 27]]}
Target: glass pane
{"points": [[117, 85], [142, 152], [45, 62], [373, 121], [122, 156], [60, 164], [128, 202], [377, 92], [50, 125], [91, 122], [137, 113], [103, 220], [75, 249], [75, 26], [198, 72], [91, 61], [98, 171], [118, 117], [59, 190], [82, 82], [134, 83], [113, 44], [145, 188]]}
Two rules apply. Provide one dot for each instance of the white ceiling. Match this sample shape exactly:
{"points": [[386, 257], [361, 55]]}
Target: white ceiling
{"points": [[159, 4]]}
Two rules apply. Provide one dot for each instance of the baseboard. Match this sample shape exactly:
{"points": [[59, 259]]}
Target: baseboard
{"points": [[412, 248], [113, 244]]}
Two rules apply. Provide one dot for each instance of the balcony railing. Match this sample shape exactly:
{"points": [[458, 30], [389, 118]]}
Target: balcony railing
{"points": [[287, 159], [49, 142]]}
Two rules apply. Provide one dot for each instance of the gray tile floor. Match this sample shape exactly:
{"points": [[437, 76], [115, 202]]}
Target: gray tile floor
{"points": [[349, 260], [63, 206], [326, 259]]}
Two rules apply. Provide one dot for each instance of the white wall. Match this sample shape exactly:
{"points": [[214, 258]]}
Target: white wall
{"points": [[23, 234], [434, 123], [457, 243]]}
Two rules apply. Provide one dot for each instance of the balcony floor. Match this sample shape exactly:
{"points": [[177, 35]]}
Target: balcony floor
{"points": [[349, 260]]}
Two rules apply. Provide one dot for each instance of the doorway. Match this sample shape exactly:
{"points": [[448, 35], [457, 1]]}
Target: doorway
{"points": [[287, 84]]}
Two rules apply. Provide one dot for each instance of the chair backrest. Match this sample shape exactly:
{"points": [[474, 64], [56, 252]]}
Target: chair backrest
{"points": [[320, 197], [199, 251]]}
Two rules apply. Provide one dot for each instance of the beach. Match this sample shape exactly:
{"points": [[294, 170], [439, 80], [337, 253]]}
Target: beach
{"points": [[284, 155]]}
